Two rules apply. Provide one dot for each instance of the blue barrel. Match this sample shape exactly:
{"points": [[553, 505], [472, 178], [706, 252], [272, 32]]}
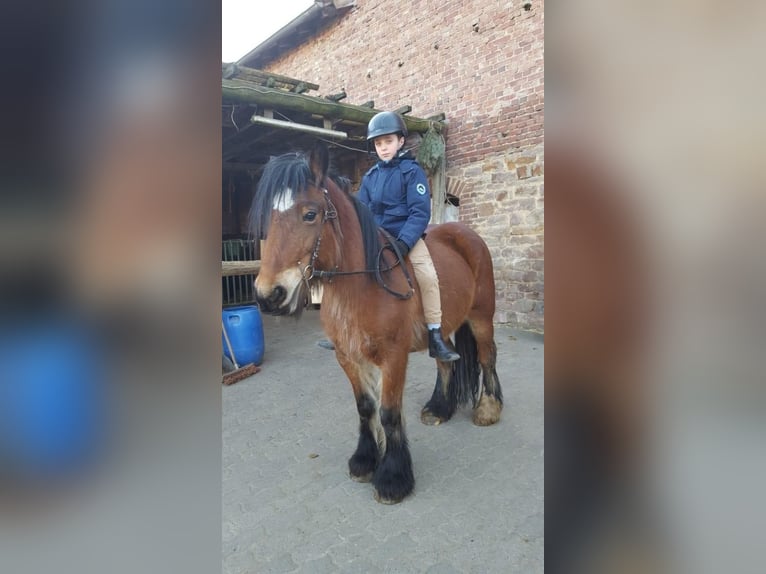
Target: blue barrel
{"points": [[245, 329], [52, 399]]}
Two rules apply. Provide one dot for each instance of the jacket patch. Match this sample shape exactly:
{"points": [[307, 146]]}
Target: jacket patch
{"points": [[421, 189]]}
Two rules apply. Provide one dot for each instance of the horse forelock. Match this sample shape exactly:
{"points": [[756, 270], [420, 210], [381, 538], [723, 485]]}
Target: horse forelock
{"points": [[284, 178]]}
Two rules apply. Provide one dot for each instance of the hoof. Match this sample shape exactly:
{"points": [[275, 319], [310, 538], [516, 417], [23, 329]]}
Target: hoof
{"points": [[361, 478], [383, 500], [361, 468], [393, 480], [430, 419], [487, 412]]}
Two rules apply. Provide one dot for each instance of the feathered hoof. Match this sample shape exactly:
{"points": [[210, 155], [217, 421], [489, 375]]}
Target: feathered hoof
{"points": [[430, 419], [387, 500], [362, 477], [361, 468], [487, 412], [394, 480]]}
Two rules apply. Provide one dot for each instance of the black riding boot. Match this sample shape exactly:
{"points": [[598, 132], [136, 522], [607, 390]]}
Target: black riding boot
{"points": [[438, 349]]}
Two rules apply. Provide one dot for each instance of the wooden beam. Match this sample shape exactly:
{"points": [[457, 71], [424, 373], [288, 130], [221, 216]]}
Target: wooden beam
{"points": [[244, 73], [237, 91], [230, 71], [230, 268], [403, 110]]}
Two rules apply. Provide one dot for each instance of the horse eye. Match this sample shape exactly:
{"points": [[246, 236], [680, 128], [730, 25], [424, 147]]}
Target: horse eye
{"points": [[310, 216]]}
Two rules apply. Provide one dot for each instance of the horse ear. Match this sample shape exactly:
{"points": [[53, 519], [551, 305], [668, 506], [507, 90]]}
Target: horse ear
{"points": [[319, 162]]}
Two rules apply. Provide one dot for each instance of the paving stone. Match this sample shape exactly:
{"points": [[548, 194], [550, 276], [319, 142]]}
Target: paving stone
{"points": [[478, 500]]}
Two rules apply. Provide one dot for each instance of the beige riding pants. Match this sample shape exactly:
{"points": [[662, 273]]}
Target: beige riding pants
{"points": [[427, 280]]}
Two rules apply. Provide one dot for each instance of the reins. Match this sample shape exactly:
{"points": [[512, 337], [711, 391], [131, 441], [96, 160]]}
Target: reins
{"points": [[310, 272]]}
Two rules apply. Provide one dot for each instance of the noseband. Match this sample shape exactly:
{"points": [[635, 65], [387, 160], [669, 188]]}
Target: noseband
{"points": [[311, 272]]}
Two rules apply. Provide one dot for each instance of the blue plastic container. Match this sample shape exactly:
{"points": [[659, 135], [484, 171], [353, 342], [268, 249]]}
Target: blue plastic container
{"points": [[52, 399], [245, 329]]}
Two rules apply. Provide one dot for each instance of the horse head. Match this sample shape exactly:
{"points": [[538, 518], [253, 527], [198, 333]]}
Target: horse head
{"points": [[289, 209]]}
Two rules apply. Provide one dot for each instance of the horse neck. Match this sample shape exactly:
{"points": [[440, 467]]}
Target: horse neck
{"points": [[347, 253]]}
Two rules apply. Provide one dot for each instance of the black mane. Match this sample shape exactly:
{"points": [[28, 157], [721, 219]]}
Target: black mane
{"points": [[370, 235], [289, 171], [292, 171]]}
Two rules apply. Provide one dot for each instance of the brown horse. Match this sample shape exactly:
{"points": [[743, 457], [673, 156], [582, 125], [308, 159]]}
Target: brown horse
{"points": [[372, 312]]}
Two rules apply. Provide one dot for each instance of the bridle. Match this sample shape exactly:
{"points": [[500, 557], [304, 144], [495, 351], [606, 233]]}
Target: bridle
{"points": [[310, 271], [330, 213]]}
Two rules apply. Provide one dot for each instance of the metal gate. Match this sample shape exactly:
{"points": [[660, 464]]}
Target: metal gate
{"points": [[238, 289]]}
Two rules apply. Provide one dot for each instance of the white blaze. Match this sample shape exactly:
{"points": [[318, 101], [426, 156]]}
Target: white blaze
{"points": [[284, 201]]}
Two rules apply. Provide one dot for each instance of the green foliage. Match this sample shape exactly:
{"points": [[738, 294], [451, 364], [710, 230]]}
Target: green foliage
{"points": [[431, 152]]}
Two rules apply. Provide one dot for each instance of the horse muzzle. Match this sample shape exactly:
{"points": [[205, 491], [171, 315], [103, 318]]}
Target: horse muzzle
{"points": [[280, 294], [273, 302]]}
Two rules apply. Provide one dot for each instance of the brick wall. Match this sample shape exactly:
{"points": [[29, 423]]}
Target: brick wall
{"points": [[503, 195], [481, 63]]}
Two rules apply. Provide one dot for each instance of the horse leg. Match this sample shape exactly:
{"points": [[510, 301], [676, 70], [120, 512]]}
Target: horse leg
{"points": [[393, 479], [441, 406], [487, 411], [363, 462], [457, 383]]}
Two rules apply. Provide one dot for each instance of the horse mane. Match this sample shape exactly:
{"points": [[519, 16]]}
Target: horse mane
{"points": [[370, 235], [287, 173], [290, 173], [341, 181]]}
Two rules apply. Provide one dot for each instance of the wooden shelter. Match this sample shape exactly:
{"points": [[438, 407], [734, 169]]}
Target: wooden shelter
{"points": [[265, 114]]}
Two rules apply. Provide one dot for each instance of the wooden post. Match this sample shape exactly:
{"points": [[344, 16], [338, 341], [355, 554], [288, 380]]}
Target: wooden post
{"points": [[439, 192]]}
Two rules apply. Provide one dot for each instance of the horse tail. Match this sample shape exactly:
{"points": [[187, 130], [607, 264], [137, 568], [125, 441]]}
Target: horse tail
{"points": [[464, 379]]}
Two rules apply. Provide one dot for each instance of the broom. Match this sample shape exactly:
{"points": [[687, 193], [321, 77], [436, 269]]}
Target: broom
{"points": [[238, 373]]}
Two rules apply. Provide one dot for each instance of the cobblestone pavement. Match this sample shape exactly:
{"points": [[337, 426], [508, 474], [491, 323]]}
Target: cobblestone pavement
{"points": [[289, 505]]}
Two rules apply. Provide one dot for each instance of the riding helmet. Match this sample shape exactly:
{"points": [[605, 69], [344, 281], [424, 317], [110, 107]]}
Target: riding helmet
{"points": [[385, 123]]}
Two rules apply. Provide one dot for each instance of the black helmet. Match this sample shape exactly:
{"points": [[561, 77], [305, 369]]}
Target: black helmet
{"points": [[385, 123]]}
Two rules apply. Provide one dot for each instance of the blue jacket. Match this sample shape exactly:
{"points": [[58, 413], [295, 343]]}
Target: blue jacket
{"points": [[397, 194]]}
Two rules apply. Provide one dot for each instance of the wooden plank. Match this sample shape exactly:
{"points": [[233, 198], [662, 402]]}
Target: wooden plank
{"points": [[245, 72], [230, 268]]}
